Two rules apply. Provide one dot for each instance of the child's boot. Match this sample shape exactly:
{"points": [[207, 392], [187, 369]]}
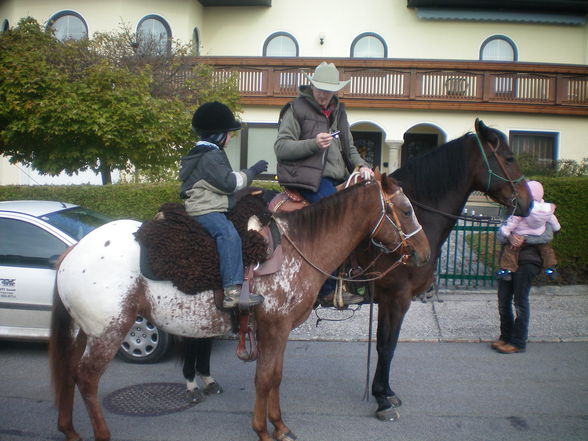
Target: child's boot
{"points": [[232, 295], [504, 274], [551, 272]]}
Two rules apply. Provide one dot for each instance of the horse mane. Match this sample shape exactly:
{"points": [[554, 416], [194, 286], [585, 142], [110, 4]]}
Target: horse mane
{"points": [[438, 172], [309, 222]]}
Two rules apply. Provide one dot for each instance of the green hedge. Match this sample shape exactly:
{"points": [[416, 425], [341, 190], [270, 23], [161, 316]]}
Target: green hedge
{"points": [[119, 201], [141, 201], [571, 244]]}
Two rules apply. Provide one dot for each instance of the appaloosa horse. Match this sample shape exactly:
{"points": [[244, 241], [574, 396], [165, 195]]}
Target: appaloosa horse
{"points": [[99, 288], [438, 185]]}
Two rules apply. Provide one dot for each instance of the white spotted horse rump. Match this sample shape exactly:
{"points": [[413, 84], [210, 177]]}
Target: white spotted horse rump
{"points": [[106, 264]]}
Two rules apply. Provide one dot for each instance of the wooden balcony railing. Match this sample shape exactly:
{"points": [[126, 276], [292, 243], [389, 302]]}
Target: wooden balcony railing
{"points": [[419, 84]]}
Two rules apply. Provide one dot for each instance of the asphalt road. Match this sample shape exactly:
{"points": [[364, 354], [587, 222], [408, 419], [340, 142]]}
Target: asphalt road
{"points": [[451, 391]]}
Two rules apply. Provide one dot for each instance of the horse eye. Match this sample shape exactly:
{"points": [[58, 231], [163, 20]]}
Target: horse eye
{"points": [[408, 213]]}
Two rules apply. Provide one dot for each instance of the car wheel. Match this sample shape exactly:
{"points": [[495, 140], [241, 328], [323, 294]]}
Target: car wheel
{"points": [[144, 343]]}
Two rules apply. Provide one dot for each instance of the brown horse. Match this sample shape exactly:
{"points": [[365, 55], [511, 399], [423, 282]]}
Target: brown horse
{"points": [[100, 289], [438, 185]]}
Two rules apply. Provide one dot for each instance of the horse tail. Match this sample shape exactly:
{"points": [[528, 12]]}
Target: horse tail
{"points": [[60, 341]]}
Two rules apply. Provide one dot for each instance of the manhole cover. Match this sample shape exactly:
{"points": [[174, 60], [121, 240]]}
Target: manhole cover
{"points": [[148, 399]]}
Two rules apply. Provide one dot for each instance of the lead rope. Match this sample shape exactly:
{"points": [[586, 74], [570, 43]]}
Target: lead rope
{"points": [[366, 392]]}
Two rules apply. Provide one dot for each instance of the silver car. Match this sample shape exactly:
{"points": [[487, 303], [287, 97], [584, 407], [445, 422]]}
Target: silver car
{"points": [[33, 234]]}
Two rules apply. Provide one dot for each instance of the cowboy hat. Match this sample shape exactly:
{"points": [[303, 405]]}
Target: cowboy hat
{"points": [[326, 77]]}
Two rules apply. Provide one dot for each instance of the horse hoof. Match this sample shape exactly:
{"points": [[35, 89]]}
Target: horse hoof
{"points": [[394, 400], [389, 414], [288, 436], [213, 389], [195, 396]]}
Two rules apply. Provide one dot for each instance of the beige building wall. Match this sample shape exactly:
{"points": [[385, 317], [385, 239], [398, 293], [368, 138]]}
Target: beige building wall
{"points": [[9, 174], [453, 124], [106, 15], [242, 31]]}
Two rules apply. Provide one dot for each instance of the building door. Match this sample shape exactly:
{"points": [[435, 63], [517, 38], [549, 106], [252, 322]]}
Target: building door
{"points": [[417, 144], [369, 146]]}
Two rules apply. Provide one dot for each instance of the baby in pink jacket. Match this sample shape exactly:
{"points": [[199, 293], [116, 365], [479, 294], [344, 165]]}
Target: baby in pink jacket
{"points": [[541, 214]]}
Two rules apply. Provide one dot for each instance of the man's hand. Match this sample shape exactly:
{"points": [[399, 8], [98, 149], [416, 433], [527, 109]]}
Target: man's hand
{"points": [[323, 140], [366, 173]]}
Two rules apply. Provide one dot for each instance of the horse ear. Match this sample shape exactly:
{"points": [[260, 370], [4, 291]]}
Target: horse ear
{"points": [[381, 178], [485, 133], [377, 174]]}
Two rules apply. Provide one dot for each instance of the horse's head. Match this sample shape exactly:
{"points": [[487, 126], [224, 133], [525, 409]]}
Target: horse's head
{"points": [[499, 175], [399, 230]]}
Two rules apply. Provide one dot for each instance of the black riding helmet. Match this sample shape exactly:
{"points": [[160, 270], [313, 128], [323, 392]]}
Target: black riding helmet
{"points": [[214, 118]]}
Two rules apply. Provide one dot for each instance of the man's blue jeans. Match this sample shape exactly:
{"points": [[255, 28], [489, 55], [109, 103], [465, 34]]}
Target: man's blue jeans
{"points": [[514, 329], [326, 188], [228, 245]]}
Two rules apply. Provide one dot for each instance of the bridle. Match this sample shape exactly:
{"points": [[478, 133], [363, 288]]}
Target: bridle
{"points": [[492, 174], [385, 202]]}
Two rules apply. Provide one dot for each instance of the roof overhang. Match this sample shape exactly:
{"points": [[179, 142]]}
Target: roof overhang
{"points": [[574, 7], [501, 16], [236, 2]]}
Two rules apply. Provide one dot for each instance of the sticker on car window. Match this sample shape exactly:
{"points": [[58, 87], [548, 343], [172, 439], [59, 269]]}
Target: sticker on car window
{"points": [[8, 288]]}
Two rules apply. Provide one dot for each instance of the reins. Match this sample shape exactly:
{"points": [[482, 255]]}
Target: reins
{"points": [[385, 202], [491, 174], [454, 216]]}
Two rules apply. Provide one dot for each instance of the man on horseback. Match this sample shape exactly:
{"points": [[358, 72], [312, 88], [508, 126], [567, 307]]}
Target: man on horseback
{"points": [[208, 186], [314, 147]]}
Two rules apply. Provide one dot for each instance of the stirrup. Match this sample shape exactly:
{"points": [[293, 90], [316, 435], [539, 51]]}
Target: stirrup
{"points": [[233, 295]]}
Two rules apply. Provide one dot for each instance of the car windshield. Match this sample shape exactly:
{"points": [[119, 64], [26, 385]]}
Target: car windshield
{"points": [[77, 221]]}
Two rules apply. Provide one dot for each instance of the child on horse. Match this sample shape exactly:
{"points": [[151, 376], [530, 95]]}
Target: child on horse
{"points": [[208, 187], [542, 213]]}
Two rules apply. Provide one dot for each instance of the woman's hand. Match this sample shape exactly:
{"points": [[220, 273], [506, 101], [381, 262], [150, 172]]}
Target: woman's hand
{"points": [[516, 240]]}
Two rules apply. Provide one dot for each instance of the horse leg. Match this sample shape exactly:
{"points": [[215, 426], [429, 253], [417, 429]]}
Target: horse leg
{"points": [[99, 352], [268, 376], [281, 432], [204, 350], [67, 390], [193, 392], [390, 317], [197, 361]]}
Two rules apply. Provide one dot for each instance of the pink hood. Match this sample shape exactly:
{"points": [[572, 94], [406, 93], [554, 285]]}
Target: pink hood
{"points": [[536, 190], [542, 213]]}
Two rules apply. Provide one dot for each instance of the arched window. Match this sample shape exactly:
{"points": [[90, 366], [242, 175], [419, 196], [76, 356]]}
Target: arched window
{"points": [[196, 41], [369, 45], [153, 35], [68, 25], [5, 26], [280, 44], [498, 48]]}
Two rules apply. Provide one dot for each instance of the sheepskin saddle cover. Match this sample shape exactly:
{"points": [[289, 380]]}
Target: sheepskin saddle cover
{"points": [[178, 249]]}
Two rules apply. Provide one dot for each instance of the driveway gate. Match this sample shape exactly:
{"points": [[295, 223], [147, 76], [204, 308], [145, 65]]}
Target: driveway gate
{"points": [[469, 257]]}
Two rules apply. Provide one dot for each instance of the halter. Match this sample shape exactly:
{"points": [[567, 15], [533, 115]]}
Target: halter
{"points": [[502, 167]]}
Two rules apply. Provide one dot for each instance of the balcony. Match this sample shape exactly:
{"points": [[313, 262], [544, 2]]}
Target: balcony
{"points": [[419, 84]]}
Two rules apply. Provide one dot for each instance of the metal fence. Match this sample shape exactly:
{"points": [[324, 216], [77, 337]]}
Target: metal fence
{"points": [[469, 257]]}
